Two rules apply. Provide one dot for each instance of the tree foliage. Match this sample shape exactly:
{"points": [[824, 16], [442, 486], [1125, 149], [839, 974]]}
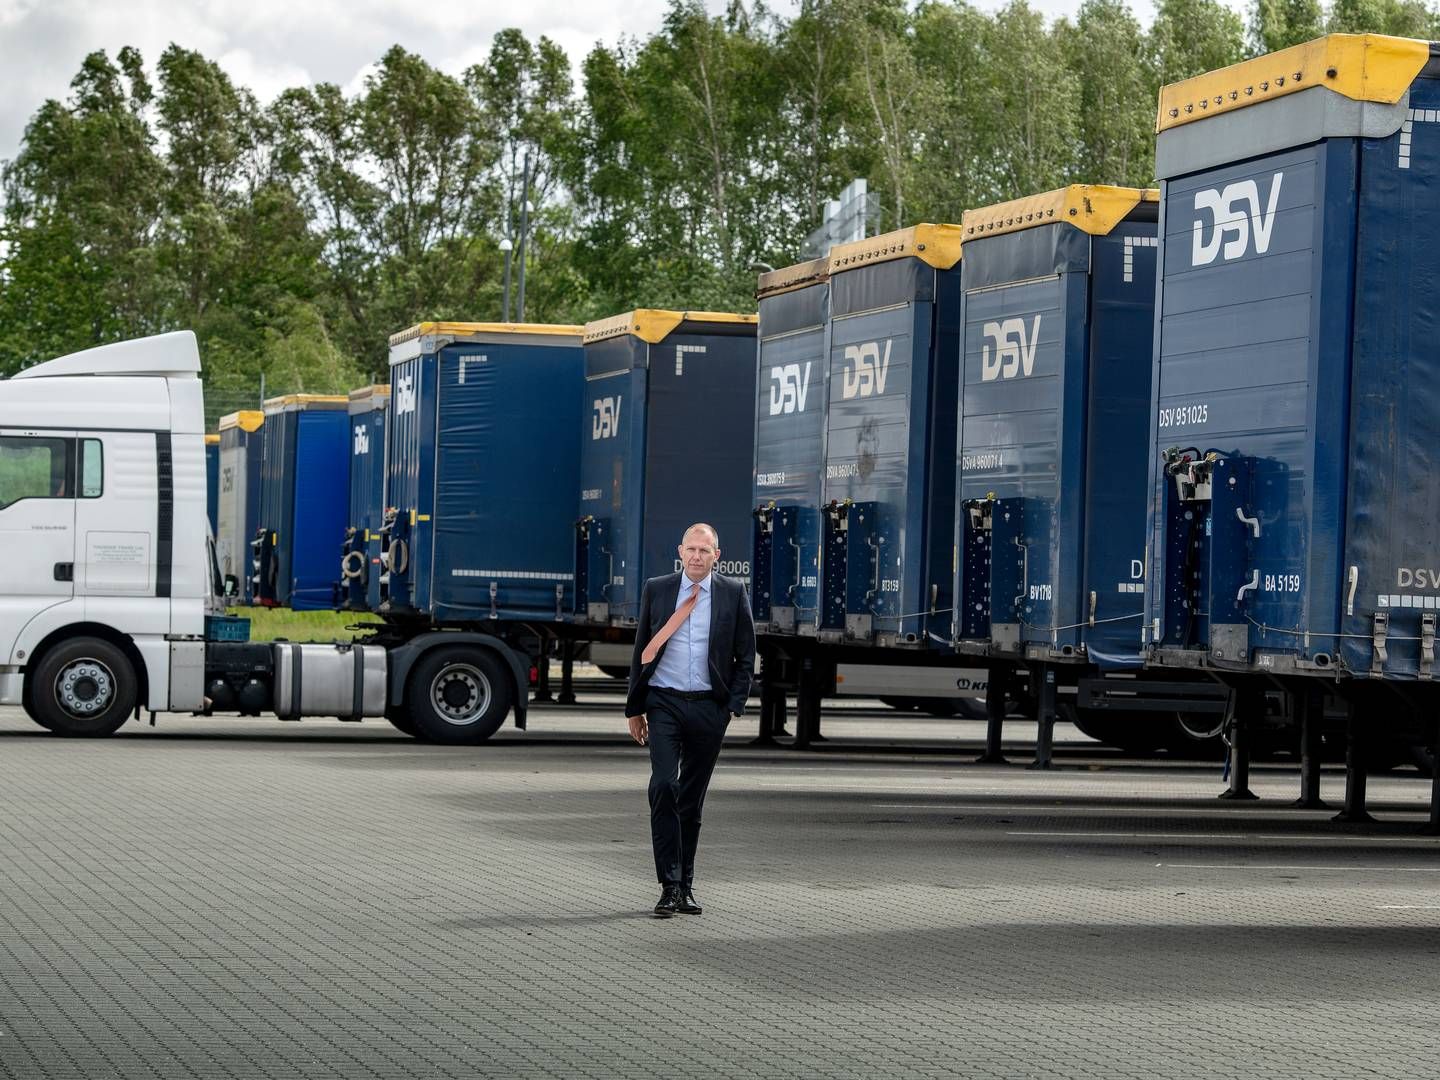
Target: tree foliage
{"points": [[295, 236]]}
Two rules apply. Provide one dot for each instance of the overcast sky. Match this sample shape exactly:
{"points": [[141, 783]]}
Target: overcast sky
{"points": [[269, 45]]}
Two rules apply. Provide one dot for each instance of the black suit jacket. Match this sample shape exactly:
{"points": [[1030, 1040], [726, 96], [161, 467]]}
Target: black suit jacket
{"points": [[732, 640]]}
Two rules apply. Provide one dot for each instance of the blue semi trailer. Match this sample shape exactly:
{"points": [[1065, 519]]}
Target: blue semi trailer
{"points": [[1059, 311], [484, 447], [481, 462], [1292, 503], [665, 436], [304, 498], [888, 485], [790, 399], [358, 583]]}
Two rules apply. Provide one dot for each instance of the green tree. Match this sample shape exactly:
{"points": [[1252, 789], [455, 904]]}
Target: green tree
{"points": [[1190, 37], [82, 201], [1105, 49], [1033, 98], [1278, 24], [526, 96], [1403, 18], [955, 129], [815, 56]]}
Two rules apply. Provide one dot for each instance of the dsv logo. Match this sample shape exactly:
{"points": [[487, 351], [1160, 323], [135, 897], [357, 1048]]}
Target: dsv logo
{"points": [[1009, 350], [362, 441], [865, 369], [405, 395], [605, 423], [788, 388], [1236, 213]]}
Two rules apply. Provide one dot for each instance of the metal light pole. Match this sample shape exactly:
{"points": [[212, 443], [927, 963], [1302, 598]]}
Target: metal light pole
{"points": [[507, 245], [524, 231]]}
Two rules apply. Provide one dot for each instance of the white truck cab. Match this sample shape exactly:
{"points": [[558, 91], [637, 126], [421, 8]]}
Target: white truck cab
{"points": [[109, 577], [102, 531]]}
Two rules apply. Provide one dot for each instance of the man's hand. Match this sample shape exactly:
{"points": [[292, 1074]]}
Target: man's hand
{"points": [[639, 728]]}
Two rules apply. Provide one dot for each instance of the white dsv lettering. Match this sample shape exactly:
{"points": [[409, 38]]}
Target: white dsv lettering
{"points": [[789, 388], [1014, 349], [405, 395], [605, 423], [1236, 213], [362, 441], [869, 371]]}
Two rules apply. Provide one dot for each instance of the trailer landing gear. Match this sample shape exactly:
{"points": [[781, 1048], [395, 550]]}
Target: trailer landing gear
{"points": [[995, 688], [1237, 762], [1309, 711], [1045, 735], [1354, 812]]}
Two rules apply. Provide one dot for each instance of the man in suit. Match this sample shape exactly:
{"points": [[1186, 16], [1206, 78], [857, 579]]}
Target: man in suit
{"points": [[689, 676]]}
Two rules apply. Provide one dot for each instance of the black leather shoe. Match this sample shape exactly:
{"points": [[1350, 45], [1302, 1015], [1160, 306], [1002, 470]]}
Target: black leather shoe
{"points": [[687, 904], [669, 902]]}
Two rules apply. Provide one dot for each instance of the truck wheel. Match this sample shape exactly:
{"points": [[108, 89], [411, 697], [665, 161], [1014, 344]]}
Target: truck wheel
{"points": [[85, 687], [458, 695], [400, 718], [30, 712]]}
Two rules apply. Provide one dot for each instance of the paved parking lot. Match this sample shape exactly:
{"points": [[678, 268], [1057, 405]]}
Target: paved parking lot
{"points": [[257, 899]]}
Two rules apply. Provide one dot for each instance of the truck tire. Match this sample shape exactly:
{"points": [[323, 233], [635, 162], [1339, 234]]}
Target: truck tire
{"points": [[84, 688], [401, 721], [615, 671], [30, 712], [458, 695]]}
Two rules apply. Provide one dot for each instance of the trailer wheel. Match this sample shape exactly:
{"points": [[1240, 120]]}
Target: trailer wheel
{"points": [[458, 695], [84, 688]]}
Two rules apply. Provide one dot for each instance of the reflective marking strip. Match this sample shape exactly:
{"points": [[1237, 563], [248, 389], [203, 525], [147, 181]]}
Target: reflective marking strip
{"points": [[1417, 603], [680, 351], [1131, 243], [1413, 117], [527, 575]]}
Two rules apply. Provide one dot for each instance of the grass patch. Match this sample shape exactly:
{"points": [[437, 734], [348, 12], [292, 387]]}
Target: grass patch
{"points": [[272, 624]]}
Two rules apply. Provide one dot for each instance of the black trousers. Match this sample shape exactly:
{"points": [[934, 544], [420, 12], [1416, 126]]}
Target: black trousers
{"points": [[685, 738]]}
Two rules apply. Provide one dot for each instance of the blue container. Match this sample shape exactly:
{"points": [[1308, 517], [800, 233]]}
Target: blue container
{"points": [[482, 466], [888, 493], [1294, 508], [360, 567], [238, 508], [212, 482], [1059, 317], [667, 440], [304, 498], [789, 447]]}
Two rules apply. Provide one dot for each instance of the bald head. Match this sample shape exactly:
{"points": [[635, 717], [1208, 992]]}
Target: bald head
{"points": [[699, 549], [704, 528]]}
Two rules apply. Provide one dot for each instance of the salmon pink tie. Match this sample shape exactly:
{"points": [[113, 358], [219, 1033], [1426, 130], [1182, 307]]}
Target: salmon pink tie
{"points": [[682, 613]]}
